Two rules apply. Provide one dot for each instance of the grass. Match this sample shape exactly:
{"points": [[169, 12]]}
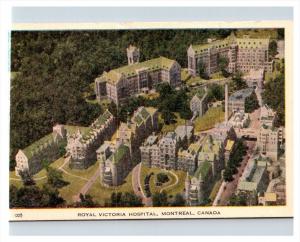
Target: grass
{"points": [[75, 183], [185, 76], [195, 80], [150, 96], [271, 76], [85, 173], [171, 190], [171, 127], [213, 116], [101, 194]]}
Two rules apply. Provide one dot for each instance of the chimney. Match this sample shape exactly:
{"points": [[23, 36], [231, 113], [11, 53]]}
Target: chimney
{"points": [[226, 103]]}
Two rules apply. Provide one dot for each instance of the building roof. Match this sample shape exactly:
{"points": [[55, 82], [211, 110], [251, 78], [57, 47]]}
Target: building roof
{"points": [[184, 130], [247, 186], [119, 154], [38, 145], [229, 145], [241, 94], [270, 197], [245, 42], [101, 120], [159, 63], [203, 170]]}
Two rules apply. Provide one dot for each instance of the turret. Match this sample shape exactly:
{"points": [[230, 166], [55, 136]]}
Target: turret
{"points": [[133, 55]]}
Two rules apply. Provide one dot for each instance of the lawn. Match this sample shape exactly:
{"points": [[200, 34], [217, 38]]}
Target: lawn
{"points": [[185, 76], [168, 187], [85, 173], [171, 127], [276, 72], [213, 116], [101, 194]]}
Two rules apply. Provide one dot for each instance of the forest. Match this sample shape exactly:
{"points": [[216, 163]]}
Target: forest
{"points": [[51, 70]]}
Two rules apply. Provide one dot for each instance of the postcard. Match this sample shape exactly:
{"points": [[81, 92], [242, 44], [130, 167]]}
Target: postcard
{"points": [[151, 120]]}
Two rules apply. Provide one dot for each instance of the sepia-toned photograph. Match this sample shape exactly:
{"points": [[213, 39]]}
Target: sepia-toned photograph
{"points": [[136, 123]]}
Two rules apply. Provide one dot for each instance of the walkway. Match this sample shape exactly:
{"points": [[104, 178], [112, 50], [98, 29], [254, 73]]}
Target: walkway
{"points": [[136, 185]]}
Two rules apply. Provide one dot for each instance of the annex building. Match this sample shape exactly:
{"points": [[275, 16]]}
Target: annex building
{"points": [[136, 77], [243, 54]]}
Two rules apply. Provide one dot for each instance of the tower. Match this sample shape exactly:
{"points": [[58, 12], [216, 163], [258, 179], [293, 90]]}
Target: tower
{"points": [[226, 103], [133, 55], [187, 186]]}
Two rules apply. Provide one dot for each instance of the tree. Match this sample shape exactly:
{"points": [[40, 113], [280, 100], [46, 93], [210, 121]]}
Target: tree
{"points": [[273, 48], [215, 93], [238, 200], [126, 199], [55, 178], [27, 178], [34, 197], [162, 177], [178, 200], [223, 65], [168, 116], [238, 81], [251, 103], [160, 199], [274, 97], [85, 201], [227, 175], [202, 70]]}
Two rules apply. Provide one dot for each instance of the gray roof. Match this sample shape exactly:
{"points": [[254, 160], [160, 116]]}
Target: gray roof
{"points": [[241, 94], [184, 130]]}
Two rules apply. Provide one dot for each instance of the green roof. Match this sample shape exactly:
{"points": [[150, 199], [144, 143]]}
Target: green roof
{"points": [[200, 93], [159, 63], [35, 146], [119, 154], [144, 113], [138, 120], [247, 186], [241, 42], [203, 169], [96, 124]]}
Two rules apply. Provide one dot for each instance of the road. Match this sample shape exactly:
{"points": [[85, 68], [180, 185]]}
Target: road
{"points": [[229, 188], [87, 185], [136, 185]]}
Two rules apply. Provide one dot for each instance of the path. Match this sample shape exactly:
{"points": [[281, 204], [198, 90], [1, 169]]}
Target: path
{"points": [[229, 188], [136, 185], [171, 185], [87, 186]]}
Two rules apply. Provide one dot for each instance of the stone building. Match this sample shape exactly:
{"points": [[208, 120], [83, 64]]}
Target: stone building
{"points": [[253, 181], [237, 100], [45, 149], [198, 103], [118, 157], [184, 134], [267, 116], [168, 148], [187, 159], [255, 78], [240, 120], [212, 151], [114, 163], [150, 152], [82, 146], [243, 54], [137, 77], [268, 142], [197, 187]]}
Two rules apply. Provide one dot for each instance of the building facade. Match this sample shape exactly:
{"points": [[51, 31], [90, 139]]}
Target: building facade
{"points": [[47, 149], [119, 157], [198, 103], [243, 54], [136, 77], [237, 100], [82, 146], [197, 186]]}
